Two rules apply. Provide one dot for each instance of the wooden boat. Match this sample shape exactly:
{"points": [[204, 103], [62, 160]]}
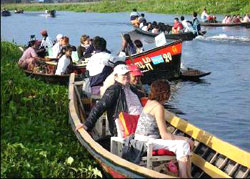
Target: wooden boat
{"points": [[192, 74], [49, 78], [18, 11], [220, 24], [48, 73], [159, 63], [5, 13], [180, 36], [212, 157], [51, 13]]}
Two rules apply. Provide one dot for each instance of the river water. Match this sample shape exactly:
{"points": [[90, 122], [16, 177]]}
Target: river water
{"points": [[218, 104]]}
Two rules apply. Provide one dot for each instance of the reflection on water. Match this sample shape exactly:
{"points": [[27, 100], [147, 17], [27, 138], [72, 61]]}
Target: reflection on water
{"points": [[218, 104]]}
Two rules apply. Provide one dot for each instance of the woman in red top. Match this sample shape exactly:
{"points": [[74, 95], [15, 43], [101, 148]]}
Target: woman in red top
{"points": [[178, 27]]}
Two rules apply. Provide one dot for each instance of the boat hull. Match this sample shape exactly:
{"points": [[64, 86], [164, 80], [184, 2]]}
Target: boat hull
{"points": [[5, 13], [159, 63], [244, 24]]}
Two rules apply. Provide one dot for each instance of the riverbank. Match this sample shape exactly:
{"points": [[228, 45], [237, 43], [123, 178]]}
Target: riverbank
{"points": [[155, 6], [36, 138]]}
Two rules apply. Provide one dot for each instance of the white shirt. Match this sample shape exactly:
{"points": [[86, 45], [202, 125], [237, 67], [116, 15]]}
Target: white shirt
{"points": [[56, 49], [145, 28], [187, 26], [134, 14], [204, 16], [62, 65], [46, 43], [246, 19], [99, 60]]}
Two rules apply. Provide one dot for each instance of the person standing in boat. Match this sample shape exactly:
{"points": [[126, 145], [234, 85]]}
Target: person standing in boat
{"points": [[134, 18], [29, 56], [128, 46], [46, 42], [120, 97], [100, 65], [65, 62], [151, 127], [196, 24]]}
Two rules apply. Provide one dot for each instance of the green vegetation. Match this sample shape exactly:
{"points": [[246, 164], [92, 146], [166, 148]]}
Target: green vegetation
{"points": [[36, 138], [156, 6]]}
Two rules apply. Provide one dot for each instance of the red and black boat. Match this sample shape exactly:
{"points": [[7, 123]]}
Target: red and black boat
{"points": [[159, 63]]}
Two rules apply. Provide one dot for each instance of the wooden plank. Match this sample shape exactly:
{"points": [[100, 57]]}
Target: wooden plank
{"points": [[208, 168], [232, 152], [71, 85]]}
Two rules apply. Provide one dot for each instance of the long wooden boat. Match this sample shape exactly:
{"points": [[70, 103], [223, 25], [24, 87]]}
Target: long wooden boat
{"points": [[180, 36], [49, 78], [5, 13], [159, 63], [212, 157], [220, 24], [192, 74]]}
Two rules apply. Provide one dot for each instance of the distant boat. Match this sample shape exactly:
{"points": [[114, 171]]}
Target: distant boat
{"points": [[51, 13], [6, 13], [220, 24], [18, 11]]}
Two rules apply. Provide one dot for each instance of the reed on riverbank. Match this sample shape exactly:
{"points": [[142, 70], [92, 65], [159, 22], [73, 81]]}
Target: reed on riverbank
{"points": [[36, 138], [155, 6]]}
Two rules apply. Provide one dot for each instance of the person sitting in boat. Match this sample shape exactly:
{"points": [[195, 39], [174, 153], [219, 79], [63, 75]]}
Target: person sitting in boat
{"points": [[120, 97], [236, 19], [206, 18], [100, 65], [58, 45], [177, 27], [65, 62], [128, 46], [29, 57], [142, 18], [46, 42], [229, 20], [151, 127], [135, 77], [246, 18], [187, 25], [196, 24], [134, 18], [85, 43], [224, 20], [64, 43], [156, 29], [139, 46]]}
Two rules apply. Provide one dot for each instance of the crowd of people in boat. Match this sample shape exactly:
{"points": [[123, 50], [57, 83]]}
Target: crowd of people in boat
{"points": [[92, 49], [138, 20], [228, 19]]}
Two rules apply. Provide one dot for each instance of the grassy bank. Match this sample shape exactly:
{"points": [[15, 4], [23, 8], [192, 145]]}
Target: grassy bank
{"points": [[156, 6], [36, 138]]}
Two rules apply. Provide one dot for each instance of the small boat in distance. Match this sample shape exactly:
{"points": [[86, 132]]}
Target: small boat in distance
{"points": [[51, 13], [18, 11], [220, 24], [212, 157], [5, 13], [191, 74]]}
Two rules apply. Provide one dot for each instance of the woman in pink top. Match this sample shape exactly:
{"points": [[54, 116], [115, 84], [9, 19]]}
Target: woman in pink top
{"points": [[29, 56]]}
